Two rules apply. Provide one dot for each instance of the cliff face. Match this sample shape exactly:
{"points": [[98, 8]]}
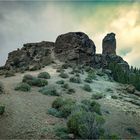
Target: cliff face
{"points": [[73, 47]]}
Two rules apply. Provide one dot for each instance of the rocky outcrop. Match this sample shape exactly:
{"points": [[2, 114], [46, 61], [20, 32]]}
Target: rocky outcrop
{"points": [[75, 47], [31, 56], [103, 60], [109, 44]]}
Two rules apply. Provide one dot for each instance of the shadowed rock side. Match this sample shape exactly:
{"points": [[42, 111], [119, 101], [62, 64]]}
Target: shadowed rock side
{"points": [[32, 55], [75, 47], [109, 44]]}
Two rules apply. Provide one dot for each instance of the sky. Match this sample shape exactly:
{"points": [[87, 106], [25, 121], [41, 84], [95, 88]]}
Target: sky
{"points": [[32, 21]]}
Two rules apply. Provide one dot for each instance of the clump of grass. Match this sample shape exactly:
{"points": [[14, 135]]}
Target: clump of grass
{"points": [[87, 88], [1, 88], [75, 80], [63, 75], [64, 106], [109, 90], [88, 80], [65, 86], [9, 73], [23, 87], [91, 74], [97, 96], [65, 66], [70, 91], [60, 82], [44, 75], [2, 109], [49, 91], [34, 81], [114, 97]]}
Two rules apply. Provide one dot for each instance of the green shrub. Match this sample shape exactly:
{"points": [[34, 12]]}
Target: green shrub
{"points": [[23, 87], [87, 125], [65, 66], [49, 91], [87, 68], [88, 80], [54, 112], [57, 103], [100, 73], [60, 82], [1, 88], [70, 91], [2, 109], [44, 75], [91, 74], [63, 75], [64, 106], [33, 81], [61, 132], [87, 88], [65, 86], [97, 96], [114, 97], [9, 74], [109, 90], [75, 80]]}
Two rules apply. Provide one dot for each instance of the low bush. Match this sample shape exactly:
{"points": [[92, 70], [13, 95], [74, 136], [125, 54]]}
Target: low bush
{"points": [[1, 88], [60, 70], [91, 74], [65, 66], [86, 125], [114, 97], [88, 80], [44, 75], [9, 74], [109, 90], [2, 109], [63, 75], [87, 88], [49, 91], [23, 87], [60, 82], [70, 91], [54, 112], [75, 80], [87, 68], [65, 86], [97, 96], [58, 102], [33, 81]]}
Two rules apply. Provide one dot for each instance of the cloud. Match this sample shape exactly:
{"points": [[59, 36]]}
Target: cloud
{"points": [[22, 22]]}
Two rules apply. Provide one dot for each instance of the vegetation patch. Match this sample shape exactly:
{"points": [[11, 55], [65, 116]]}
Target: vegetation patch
{"points": [[44, 75], [23, 87], [2, 109], [65, 86], [75, 80], [88, 80], [70, 91], [97, 96], [49, 91], [34, 81], [60, 82], [87, 88], [63, 75], [1, 88], [9, 74]]}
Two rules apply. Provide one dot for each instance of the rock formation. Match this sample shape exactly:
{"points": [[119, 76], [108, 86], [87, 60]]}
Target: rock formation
{"points": [[75, 47], [72, 47], [31, 56], [109, 44]]}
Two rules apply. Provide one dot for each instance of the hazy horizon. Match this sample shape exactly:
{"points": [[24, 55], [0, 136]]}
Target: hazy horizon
{"points": [[25, 22]]}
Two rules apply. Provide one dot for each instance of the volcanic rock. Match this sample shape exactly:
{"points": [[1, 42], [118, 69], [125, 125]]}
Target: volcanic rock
{"points": [[32, 54], [75, 47], [109, 44]]}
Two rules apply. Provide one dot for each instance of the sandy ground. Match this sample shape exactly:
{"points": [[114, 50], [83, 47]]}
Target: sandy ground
{"points": [[26, 112]]}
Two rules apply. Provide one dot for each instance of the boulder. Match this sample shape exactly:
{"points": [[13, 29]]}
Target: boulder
{"points": [[109, 44], [29, 55], [75, 47]]}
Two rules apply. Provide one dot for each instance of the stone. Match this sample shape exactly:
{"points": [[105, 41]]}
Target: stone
{"points": [[109, 44], [75, 47], [29, 55]]}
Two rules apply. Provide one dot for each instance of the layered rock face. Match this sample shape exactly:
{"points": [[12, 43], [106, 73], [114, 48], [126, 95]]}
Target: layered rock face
{"points": [[75, 47], [109, 44], [31, 55]]}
